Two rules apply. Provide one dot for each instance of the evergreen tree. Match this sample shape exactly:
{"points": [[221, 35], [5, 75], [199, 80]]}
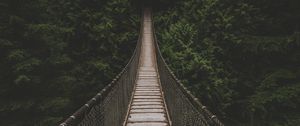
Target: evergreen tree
{"points": [[241, 58], [56, 54]]}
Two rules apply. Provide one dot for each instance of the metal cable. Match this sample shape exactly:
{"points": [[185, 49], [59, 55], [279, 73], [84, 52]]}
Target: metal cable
{"points": [[109, 107], [184, 108]]}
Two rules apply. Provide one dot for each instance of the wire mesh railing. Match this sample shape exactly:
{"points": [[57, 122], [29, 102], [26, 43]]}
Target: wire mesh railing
{"points": [[110, 105], [183, 107]]}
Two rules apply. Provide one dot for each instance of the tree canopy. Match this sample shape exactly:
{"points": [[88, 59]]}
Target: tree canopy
{"points": [[241, 58], [56, 54]]}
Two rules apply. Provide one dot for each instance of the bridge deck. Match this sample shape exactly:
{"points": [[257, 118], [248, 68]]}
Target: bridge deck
{"points": [[147, 106]]}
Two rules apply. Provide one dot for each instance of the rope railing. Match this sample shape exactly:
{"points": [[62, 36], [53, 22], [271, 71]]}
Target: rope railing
{"points": [[183, 107], [109, 106]]}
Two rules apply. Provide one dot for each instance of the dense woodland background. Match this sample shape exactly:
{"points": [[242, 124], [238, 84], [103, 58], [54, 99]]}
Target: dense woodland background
{"points": [[56, 54], [240, 57]]}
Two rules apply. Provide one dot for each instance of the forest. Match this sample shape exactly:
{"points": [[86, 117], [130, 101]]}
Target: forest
{"points": [[241, 58]]}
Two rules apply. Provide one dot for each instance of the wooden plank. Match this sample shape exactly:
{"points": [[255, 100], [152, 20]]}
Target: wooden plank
{"points": [[147, 117], [146, 97], [147, 106], [140, 99], [147, 110], [147, 103], [147, 124]]}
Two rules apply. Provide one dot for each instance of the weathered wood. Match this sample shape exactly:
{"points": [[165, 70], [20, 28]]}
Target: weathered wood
{"points": [[147, 124], [147, 117], [147, 110], [147, 106]]}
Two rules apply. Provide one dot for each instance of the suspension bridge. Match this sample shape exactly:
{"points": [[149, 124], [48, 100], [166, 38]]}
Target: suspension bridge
{"points": [[144, 93]]}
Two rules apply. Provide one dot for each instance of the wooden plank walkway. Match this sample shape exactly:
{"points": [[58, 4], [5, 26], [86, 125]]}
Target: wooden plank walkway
{"points": [[147, 106]]}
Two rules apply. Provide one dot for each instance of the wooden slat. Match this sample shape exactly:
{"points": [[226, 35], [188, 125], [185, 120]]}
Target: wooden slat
{"points": [[147, 105]]}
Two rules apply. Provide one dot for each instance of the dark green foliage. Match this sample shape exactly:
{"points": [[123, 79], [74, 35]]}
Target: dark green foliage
{"points": [[241, 58], [56, 54]]}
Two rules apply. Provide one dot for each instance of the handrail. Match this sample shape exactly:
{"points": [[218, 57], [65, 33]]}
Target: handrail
{"points": [[108, 106], [78, 116], [194, 100]]}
